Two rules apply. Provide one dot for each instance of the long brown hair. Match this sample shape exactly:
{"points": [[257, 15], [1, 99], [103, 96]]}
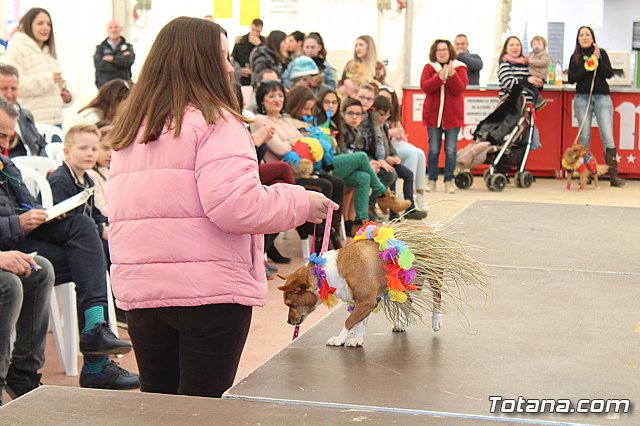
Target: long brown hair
{"points": [[185, 67], [336, 118], [273, 41], [26, 24], [578, 52], [371, 59], [504, 47], [296, 98], [109, 98]]}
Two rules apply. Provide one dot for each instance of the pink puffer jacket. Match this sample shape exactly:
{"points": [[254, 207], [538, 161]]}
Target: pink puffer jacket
{"points": [[187, 217]]}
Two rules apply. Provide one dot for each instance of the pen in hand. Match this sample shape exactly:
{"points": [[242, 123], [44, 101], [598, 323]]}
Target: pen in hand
{"points": [[34, 267]]}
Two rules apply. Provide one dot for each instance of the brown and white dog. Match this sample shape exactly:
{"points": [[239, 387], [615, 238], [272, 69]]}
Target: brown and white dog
{"points": [[357, 273], [579, 159]]}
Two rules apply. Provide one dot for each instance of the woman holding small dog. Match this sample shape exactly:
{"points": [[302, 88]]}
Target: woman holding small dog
{"points": [[589, 69], [187, 213]]}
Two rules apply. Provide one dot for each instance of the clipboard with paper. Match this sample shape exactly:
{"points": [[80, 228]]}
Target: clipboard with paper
{"points": [[69, 204]]}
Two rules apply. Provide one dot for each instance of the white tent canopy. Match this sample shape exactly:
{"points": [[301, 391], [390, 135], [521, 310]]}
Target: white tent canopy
{"points": [[403, 39]]}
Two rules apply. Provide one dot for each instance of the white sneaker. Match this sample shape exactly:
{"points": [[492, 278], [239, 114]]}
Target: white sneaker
{"points": [[431, 186], [421, 202], [449, 188]]}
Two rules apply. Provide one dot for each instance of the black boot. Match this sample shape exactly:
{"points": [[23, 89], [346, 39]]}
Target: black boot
{"points": [[611, 156], [275, 255], [373, 215], [414, 213], [305, 230], [336, 241], [19, 382], [269, 239], [348, 226]]}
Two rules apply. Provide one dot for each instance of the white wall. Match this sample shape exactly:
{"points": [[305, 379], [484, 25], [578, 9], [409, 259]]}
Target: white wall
{"points": [[617, 29], [80, 25], [438, 19], [574, 14]]}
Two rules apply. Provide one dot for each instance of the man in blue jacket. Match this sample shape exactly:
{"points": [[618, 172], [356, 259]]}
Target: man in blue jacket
{"points": [[26, 140], [114, 56], [471, 60]]}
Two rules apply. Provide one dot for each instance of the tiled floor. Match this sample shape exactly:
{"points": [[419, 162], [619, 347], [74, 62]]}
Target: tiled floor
{"points": [[270, 332]]}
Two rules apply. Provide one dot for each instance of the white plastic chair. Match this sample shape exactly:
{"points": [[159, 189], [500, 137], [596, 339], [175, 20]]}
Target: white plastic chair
{"points": [[41, 164], [55, 150], [49, 131], [37, 185], [306, 248], [65, 329]]}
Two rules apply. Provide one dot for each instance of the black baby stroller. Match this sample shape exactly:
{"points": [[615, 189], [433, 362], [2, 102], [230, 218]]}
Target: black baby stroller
{"points": [[503, 140]]}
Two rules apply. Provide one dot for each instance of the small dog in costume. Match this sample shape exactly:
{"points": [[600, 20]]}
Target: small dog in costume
{"points": [[582, 161], [384, 268]]}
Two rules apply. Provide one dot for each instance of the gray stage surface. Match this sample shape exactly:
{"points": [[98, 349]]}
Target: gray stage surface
{"points": [[550, 236], [539, 334], [53, 405]]}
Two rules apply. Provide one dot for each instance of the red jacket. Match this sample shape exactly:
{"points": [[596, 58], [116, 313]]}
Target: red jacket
{"points": [[444, 104]]}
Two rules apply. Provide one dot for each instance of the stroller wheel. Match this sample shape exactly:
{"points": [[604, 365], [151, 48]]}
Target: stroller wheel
{"points": [[464, 180], [524, 179], [498, 182], [516, 177], [486, 176]]}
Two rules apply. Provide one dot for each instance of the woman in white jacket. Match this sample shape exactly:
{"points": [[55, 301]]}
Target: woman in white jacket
{"points": [[32, 50]]}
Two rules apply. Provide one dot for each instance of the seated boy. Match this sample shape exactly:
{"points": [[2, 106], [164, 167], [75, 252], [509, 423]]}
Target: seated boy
{"points": [[81, 145], [364, 180], [374, 146]]}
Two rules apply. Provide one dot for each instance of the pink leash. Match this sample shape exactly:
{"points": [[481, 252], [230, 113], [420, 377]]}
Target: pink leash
{"points": [[325, 246]]}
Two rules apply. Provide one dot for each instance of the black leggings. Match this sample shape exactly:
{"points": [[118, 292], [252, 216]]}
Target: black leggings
{"points": [[191, 350]]}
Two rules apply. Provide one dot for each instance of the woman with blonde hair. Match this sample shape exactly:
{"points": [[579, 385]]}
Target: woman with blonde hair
{"points": [[365, 53], [187, 213]]}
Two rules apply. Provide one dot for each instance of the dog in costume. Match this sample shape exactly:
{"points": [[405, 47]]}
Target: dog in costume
{"points": [[581, 160], [402, 269]]}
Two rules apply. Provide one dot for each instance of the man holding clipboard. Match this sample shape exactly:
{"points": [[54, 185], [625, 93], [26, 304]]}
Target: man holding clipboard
{"points": [[73, 246]]}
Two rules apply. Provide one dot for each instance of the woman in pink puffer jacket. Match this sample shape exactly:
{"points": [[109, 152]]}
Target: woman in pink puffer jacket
{"points": [[187, 214]]}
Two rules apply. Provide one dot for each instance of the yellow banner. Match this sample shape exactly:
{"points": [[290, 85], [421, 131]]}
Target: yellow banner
{"points": [[222, 9], [249, 10]]}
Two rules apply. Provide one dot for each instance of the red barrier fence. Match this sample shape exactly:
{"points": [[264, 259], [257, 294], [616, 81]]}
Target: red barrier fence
{"points": [[556, 124]]}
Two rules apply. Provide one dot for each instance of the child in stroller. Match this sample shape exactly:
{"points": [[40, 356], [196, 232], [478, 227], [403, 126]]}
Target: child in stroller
{"points": [[502, 140]]}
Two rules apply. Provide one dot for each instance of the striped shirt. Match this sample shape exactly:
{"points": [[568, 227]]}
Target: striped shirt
{"points": [[511, 74]]}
